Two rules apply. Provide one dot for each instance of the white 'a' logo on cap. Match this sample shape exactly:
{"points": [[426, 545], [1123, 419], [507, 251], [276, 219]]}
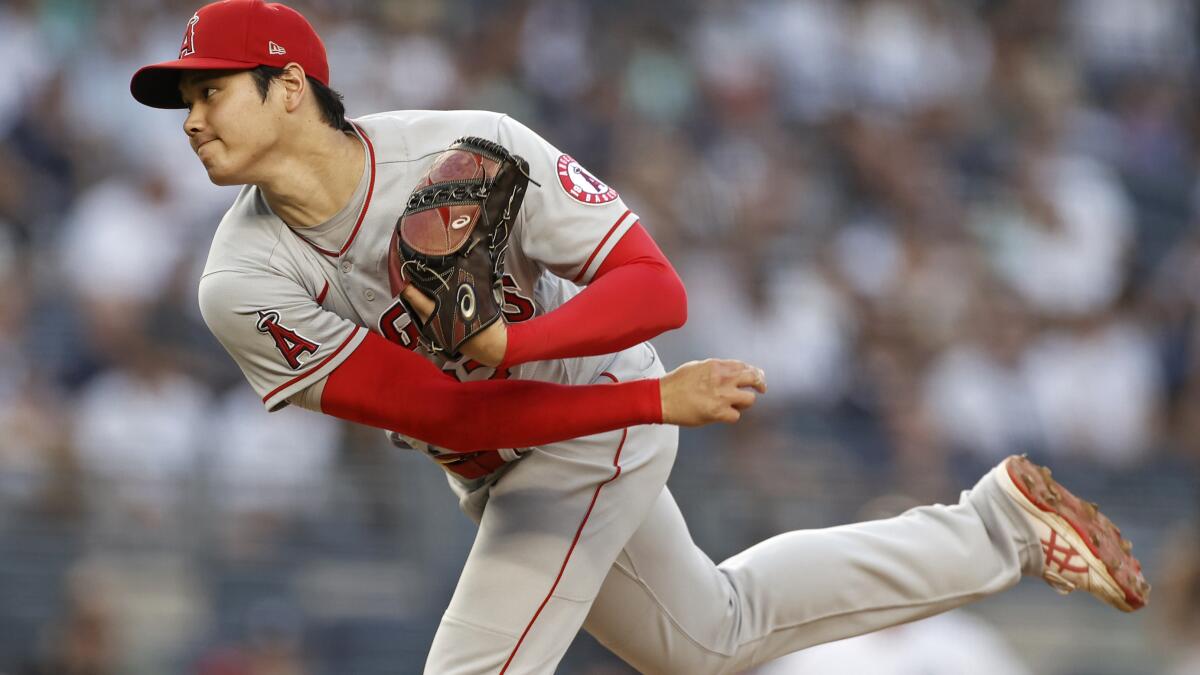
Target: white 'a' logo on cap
{"points": [[189, 37], [273, 48]]}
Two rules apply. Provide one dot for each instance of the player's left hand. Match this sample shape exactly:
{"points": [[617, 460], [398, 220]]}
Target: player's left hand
{"points": [[486, 347], [452, 238]]}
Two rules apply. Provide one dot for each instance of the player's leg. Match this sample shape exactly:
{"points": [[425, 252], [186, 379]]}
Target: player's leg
{"points": [[665, 608], [548, 536]]}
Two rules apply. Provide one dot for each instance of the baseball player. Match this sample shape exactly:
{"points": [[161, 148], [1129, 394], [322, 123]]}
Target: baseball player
{"points": [[566, 483]]}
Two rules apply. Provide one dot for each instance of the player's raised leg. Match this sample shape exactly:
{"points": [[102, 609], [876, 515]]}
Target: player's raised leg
{"points": [[665, 608]]}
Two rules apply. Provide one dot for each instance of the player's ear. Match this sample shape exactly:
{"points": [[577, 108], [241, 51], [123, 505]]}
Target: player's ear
{"points": [[294, 85]]}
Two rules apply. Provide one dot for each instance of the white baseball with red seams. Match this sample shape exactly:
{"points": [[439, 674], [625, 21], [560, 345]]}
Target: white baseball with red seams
{"points": [[582, 532]]}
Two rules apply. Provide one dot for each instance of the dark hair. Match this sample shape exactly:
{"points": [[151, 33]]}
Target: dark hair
{"points": [[333, 111]]}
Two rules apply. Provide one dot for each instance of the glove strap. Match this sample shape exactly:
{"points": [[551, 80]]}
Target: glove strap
{"points": [[425, 332]]}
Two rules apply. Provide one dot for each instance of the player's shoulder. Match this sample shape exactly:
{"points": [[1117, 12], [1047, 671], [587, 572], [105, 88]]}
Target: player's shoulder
{"points": [[247, 237], [400, 135]]}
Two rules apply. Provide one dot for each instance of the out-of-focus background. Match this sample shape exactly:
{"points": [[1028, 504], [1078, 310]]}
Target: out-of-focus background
{"points": [[948, 230]]}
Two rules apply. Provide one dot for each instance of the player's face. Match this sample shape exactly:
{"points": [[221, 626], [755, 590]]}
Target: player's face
{"points": [[229, 126]]}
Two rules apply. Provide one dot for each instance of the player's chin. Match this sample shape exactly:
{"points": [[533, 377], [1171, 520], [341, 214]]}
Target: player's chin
{"points": [[223, 180], [222, 175]]}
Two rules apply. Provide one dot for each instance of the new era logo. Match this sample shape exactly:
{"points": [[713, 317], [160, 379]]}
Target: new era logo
{"points": [[273, 48]]}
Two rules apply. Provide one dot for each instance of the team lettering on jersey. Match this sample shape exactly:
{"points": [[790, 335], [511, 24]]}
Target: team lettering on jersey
{"points": [[397, 327], [290, 344], [517, 307]]}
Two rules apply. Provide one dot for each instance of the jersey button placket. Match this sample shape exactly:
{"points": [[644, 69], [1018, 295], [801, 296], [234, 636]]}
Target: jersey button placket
{"points": [[347, 266], [369, 295]]}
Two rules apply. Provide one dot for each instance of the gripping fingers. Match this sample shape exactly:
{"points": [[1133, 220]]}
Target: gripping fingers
{"points": [[750, 376], [742, 399]]}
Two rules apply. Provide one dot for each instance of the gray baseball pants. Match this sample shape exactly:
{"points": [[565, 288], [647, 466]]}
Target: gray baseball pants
{"points": [[585, 534]]}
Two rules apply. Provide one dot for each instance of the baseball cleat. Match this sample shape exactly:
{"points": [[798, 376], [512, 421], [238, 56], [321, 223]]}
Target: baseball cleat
{"points": [[1082, 547]]}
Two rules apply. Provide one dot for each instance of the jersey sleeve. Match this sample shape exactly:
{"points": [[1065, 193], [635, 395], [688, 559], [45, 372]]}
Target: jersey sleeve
{"points": [[571, 222], [279, 336]]}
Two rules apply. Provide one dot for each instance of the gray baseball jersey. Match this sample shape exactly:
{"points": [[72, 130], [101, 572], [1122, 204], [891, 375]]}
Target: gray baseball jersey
{"points": [[306, 298], [584, 529]]}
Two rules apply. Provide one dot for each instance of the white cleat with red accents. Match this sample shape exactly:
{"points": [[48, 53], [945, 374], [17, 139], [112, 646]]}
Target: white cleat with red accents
{"points": [[1081, 547]]}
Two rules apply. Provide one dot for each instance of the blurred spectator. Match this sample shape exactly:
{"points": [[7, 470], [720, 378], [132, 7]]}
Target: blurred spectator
{"points": [[38, 466], [1063, 240], [1097, 388], [1180, 590], [269, 470], [912, 55], [29, 67], [139, 430], [122, 241], [783, 317], [1175, 302], [806, 44], [1128, 38], [979, 391], [271, 646], [84, 641], [554, 52]]}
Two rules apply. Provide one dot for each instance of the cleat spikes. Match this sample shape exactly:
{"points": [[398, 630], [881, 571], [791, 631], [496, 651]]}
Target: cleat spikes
{"points": [[1082, 548]]}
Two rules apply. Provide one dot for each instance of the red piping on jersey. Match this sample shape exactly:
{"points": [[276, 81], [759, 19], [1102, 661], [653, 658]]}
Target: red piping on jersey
{"points": [[603, 241], [324, 290], [366, 203], [315, 368], [578, 532]]}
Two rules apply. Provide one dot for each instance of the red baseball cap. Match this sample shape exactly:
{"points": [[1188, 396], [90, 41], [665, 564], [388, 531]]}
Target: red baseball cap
{"points": [[234, 35]]}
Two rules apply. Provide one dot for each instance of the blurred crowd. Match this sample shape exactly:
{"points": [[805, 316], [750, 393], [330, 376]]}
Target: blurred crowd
{"points": [[947, 229]]}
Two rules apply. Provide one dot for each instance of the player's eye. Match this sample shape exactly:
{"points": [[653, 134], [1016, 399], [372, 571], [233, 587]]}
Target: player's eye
{"points": [[209, 91]]}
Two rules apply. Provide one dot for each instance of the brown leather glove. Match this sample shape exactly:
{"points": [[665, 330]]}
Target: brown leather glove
{"points": [[452, 237]]}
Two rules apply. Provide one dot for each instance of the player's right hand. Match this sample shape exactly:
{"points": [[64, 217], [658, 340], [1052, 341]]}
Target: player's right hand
{"points": [[714, 390], [487, 346]]}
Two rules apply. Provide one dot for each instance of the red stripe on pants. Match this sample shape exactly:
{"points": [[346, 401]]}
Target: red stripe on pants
{"points": [[578, 532]]}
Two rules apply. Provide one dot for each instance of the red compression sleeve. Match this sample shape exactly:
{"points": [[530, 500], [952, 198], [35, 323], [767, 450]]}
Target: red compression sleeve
{"points": [[386, 386], [634, 295]]}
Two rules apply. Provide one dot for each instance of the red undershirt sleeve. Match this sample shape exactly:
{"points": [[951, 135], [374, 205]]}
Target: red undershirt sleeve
{"points": [[386, 386], [634, 295]]}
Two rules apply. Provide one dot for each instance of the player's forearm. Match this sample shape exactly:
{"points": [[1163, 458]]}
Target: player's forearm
{"points": [[634, 296], [384, 386], [628, 306]]}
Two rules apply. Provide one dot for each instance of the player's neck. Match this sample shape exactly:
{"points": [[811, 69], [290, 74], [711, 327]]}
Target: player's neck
{"points": [[312, 182]]}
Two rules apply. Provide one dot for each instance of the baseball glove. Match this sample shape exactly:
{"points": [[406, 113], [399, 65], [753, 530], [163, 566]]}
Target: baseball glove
{"points": [[452, 238]]}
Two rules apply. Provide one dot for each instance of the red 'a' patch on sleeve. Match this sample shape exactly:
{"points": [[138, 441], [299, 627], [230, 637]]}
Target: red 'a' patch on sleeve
{"points": [[291, 345]]}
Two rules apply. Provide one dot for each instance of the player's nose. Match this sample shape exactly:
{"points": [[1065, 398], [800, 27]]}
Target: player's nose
{"points": [[194, 122]]}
